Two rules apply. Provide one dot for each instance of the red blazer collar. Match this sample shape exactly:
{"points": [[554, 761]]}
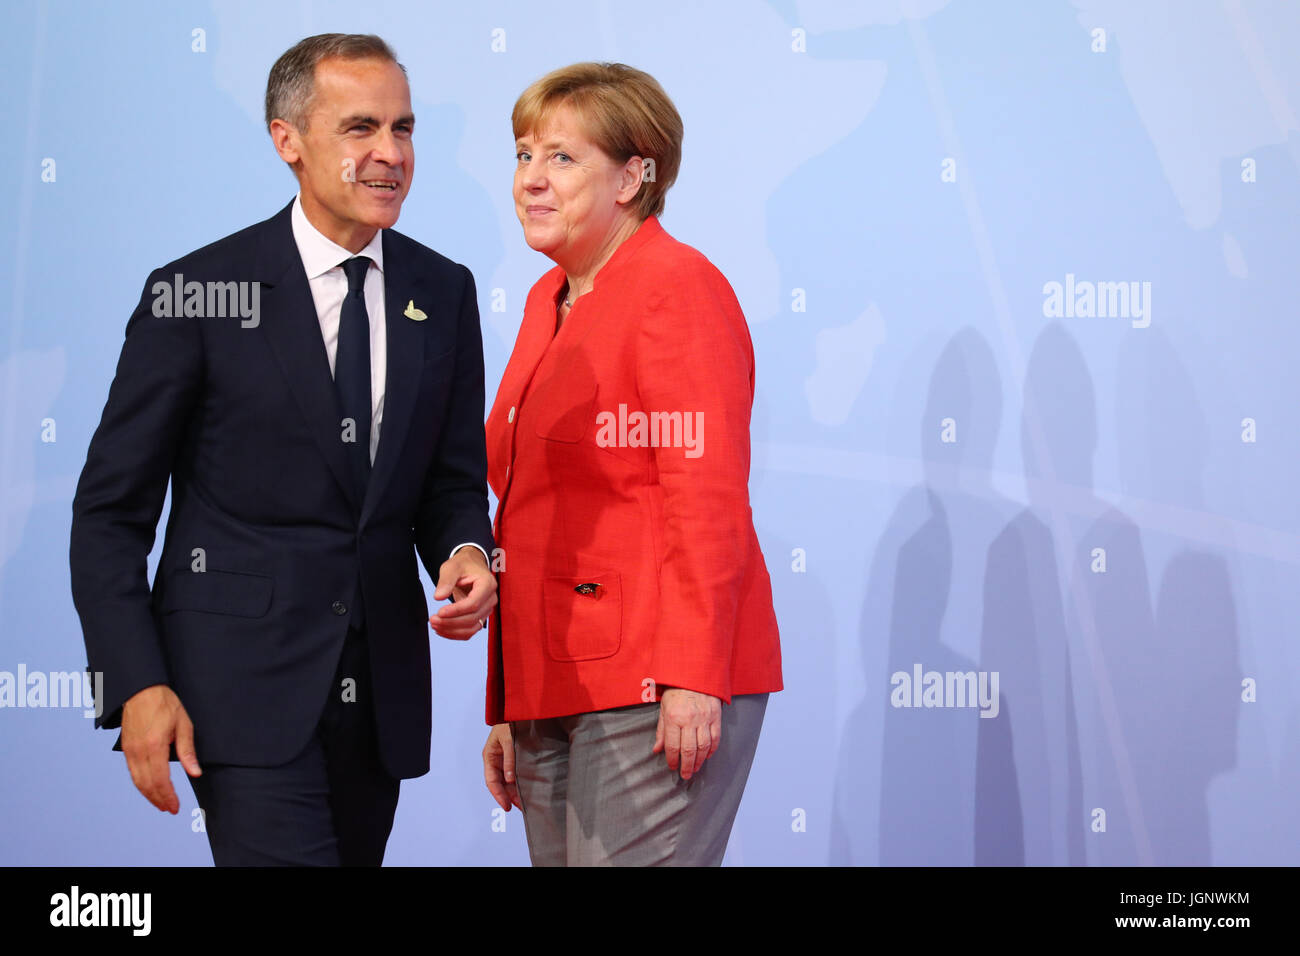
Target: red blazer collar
{"points": [[537, 329], [647, 232]]}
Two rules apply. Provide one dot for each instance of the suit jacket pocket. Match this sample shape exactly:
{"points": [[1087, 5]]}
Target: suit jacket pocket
{"points": [[238, 593], [583, 616]]}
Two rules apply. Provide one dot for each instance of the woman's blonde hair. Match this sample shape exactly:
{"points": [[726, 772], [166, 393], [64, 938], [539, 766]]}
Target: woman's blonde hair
{"points": [[625, 112]]}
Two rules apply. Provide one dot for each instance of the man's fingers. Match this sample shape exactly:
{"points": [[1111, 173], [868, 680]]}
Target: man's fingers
{"points": [[466, 624], [466, 606], [464, 618], [135, 766], [475, 602], [659, 734], [459, 590], [163, 779], [185, 746], [461, 609], [157, 778], [447, 575], [139, 761], [152, 719], [456, 632]]}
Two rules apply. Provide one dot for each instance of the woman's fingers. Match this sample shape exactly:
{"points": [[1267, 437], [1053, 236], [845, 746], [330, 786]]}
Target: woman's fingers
{"points": [[672, 744], [715, 727], [688, 746], [689, 731], [703, 745], [499, 767]]}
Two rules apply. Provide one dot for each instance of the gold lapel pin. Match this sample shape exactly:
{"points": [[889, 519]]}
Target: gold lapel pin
{"points": [[413, 313]]}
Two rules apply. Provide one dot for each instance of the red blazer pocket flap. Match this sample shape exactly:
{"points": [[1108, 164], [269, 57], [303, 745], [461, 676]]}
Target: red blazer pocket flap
{"points": [[583, 616]]}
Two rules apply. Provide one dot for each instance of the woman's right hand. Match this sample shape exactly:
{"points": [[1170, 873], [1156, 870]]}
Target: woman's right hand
{"points": [[499, 767]]}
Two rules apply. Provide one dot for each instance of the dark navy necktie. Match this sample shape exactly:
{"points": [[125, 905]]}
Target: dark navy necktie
{"points": [[352, 370], [352, 379]]}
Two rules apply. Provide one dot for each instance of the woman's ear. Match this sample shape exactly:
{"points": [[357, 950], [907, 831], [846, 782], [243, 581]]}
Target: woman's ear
{"points": [[630, 180]]}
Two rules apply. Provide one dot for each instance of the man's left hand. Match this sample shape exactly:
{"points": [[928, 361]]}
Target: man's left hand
{"points": [[466, 578]]}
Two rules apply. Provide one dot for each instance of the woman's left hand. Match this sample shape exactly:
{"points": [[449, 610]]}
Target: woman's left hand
{"points": [[690, 729]]}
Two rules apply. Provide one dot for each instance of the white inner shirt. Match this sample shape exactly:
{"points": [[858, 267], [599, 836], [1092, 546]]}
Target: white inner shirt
{"points": [[323, 259]]}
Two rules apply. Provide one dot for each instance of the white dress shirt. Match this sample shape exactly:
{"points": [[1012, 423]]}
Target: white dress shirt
{"points": [[323, 259]]}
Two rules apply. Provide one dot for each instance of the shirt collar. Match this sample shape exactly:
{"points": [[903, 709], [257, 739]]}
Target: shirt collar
{"points": [[319, 253]]}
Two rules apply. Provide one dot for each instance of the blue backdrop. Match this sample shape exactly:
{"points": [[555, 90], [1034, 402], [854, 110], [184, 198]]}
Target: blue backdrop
{"points": [[1021, 284]]}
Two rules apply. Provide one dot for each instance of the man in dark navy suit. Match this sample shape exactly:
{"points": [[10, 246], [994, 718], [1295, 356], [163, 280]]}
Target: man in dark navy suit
{"points": [[312, 387]]}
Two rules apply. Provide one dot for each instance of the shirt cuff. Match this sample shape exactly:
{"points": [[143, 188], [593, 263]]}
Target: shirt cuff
{"points": [[471, 544]]}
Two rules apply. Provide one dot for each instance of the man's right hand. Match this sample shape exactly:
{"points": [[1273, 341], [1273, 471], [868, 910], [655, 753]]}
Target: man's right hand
{"points": [[151, 720]]}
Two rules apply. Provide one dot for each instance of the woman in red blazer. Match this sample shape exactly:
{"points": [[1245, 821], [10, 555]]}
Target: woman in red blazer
{"points": [[634, 644]]}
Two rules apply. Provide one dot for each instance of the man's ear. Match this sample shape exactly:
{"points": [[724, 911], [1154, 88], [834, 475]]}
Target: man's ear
{"points": [[629, 183], [285, 139]]}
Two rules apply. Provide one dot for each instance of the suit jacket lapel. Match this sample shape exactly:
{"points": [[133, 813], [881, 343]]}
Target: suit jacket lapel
{"points": [[405, 362], [293, 331]]}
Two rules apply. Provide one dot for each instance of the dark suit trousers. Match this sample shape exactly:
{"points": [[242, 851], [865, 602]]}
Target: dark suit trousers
{"points": [[332, 805]]}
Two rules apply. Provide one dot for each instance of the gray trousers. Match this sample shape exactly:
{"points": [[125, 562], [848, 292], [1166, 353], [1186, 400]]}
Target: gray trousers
{"points": [[594, 795]]}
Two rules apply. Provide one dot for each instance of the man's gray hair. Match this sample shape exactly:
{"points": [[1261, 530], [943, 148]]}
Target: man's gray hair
{"points": [[292, 83]]}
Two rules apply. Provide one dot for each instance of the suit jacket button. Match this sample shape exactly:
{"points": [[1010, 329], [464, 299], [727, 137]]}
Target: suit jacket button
{"points": [[339, 608], [510, 415]]}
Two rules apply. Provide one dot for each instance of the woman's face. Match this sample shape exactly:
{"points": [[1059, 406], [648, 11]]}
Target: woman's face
{"points": [[569, 195]]}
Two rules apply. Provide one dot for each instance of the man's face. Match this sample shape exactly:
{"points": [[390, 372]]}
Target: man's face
{"points": [[355, 160]]}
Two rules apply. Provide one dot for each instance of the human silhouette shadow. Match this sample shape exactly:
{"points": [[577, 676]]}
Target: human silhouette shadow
{"points": [[928, 774], [924, 590], [1193, 694], [1107, 620], [1024, 638]]}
